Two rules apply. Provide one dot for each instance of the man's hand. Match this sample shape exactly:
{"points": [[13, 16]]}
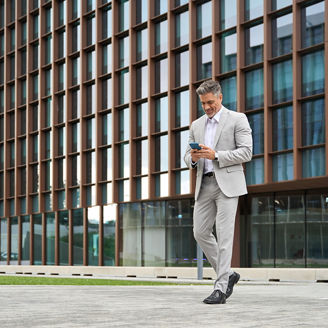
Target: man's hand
{"points": [[205, 152]]}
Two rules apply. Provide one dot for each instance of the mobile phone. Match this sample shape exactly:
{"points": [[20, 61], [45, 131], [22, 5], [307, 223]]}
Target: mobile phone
{"points": [[195, 145]]}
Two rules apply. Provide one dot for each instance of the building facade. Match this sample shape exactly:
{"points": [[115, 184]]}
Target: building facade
{"points": [[96, 99]]}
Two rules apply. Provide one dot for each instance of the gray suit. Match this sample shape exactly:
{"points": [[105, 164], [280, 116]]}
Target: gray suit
{"points": [[216, 198]]}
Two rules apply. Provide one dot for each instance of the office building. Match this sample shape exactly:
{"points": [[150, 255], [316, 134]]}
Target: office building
{"points": [[96, 99]]}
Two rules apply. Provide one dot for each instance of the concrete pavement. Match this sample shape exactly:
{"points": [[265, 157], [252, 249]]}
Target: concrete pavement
{"points": [[251, 305]]}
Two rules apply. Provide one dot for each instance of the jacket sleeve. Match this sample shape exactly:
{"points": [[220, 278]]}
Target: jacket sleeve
{"points": [[244, 145], [187, 156]]}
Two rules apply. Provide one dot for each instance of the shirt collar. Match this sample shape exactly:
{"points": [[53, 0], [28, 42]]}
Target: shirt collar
{"points": [[216, 117]]}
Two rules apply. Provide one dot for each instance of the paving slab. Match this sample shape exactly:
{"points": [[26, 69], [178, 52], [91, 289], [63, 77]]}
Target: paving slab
{"points": [[251, 305]]}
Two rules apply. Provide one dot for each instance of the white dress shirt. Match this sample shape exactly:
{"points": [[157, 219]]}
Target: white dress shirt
{"points": [[210, 131]]}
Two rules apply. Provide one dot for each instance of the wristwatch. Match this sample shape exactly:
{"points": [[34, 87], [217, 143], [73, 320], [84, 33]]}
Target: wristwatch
{"points": [[216, 156]]}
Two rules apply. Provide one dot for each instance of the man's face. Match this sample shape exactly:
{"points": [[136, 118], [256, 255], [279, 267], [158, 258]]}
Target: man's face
{"points": [[210, 103]]}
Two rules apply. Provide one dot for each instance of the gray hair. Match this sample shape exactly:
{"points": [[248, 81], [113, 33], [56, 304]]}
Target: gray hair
{"points": [[209, 86]]}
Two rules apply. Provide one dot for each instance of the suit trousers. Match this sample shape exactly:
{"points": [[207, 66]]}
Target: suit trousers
{"points": [[213, 207]]}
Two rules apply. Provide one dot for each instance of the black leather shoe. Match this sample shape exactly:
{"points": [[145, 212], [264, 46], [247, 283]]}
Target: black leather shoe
{"points": [[217, 297], [233, 279]]}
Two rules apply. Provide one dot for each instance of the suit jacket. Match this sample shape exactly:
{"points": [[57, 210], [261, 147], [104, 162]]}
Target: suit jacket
{"points": [[234, 145]]}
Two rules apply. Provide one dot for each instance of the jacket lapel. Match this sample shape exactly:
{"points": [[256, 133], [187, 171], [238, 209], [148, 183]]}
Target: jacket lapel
{"points": [[221, 124]]}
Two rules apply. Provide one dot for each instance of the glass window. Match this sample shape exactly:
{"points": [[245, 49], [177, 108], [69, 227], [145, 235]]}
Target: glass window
{"points": [[182, 182], [161, 41], [35, 117], [61, 109], [142, 120], [91, 99], [313, 122], [48, 80], [2, 44], [182, 29], [254, 44], [282, 128], [124, 191], [93, 235], [278, 4], [12, 187], [228, 51], [124, 52], [48, 110], [255, 171], [63, 237], [253, 9], [182, 68], [313, 19], [12, 39], [76, 197], [61, 141], [107, 59], [124, 14], [204, 61], [142, 82], [91, 5], [76, 137], [35, 61], [76, 170], [3, 242], [1, 158], [91, 30], [48, 144], [142, 45], [11, 119], [124, 124], [228, 14], [161, 78], [106, 93], [91, 133], [161, 120], [161, 154], [12, 95], [182, 109], [282, 81], [229, 92], [313, 73], [35, 23], [107, 194], [254, 89], [282, 31], [23, 62], [76, 41], [78, 236], [76, 71], [23, 92], [23, 151], [2, 72], [180, 2], [37, 239], [26, 232], [13, 221], [61, 12], [160, 7], [124, 80], [48, 52], [48, 26], [142, 157], [256, 122], [76, 9], [23, 33], [162, 185], [91, 64], [62, 44], [107, 167], [124, 160], [22, 191], [76, 104], [204, 20], [2, 14], [181, 142], [107, 129], [141, 11], [109, 219], [61, 171], [313, 162], [282, 167], [2, 101], [11, 68], [50, 238], [107, 23]]}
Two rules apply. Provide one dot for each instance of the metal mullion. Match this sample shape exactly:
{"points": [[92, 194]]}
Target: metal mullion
{"points": [[170, 99], [297, 137], [267, 77], [326, 74]]}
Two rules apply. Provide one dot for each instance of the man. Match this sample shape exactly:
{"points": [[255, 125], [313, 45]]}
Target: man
{"points": [[226, 142]]}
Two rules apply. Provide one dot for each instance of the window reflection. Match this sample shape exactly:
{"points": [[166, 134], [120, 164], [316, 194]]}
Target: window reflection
{"points": [[204, 61], [182, 108], [282, 128], [282, 30], [254, 89], [253, 9], [204, 20], [161, 108], [161, 37], [282, 81], [161, 155], [142, 45], [182, 29], [229, 92], [182, 69], [282, 167], [254, 44], [142, 120], [228, 51], [255, 171], [228, 11], [161, 77]]}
